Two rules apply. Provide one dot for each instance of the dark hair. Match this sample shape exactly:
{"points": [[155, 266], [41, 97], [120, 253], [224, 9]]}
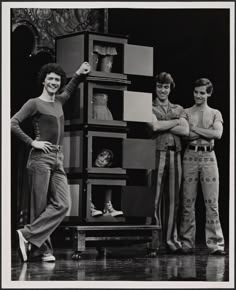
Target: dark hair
{"points": [[204, 82], [51, 68], [164, 78]]}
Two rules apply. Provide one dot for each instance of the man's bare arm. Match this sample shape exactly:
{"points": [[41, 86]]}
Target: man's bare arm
{"points": [[214, 133], [182, 129]]}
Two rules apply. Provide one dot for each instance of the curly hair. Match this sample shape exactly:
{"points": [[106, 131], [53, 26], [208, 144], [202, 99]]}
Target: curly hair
{"points": [[51, 68], [164, 78], [204, 82]]}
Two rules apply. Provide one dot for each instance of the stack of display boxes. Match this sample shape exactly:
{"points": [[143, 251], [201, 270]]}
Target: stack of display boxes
{"points": [[97, 120]]}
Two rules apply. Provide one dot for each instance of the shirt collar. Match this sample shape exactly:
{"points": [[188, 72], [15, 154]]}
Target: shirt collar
{"points": [[156, 102]]}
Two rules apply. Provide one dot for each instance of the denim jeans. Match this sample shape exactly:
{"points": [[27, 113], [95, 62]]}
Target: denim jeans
{"points": [[49, 196], [201, 166]]}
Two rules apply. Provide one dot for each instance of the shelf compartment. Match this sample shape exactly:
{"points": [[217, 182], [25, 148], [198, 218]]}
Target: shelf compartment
{"points": [[109, 55]]}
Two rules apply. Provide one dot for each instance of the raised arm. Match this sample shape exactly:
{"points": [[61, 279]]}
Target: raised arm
{"points": [[182, 129], [78, 76]]}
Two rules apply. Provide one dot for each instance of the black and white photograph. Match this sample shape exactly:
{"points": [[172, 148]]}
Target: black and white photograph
{"points": [[118, 123]]}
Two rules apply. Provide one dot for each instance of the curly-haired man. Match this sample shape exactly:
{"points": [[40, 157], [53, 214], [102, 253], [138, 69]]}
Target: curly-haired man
{"points": [[47, 178]]}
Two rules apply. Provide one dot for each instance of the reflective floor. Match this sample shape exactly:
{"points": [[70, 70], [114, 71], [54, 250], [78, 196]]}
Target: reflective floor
{"points": [[127, 263]]}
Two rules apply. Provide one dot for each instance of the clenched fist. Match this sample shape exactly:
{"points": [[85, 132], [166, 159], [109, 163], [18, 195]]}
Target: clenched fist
{"points": [[84, 69]]}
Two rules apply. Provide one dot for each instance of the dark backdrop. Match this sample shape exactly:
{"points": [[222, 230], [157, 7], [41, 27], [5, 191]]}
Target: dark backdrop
{"points": [[188, 43]]}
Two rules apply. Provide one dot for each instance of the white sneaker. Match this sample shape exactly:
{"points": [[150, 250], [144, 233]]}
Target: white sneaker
{"points": [[23, 245], [109, 210], [48, 257], [94, 212]]}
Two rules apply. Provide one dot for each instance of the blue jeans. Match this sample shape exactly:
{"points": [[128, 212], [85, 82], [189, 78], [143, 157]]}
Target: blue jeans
{"points": [[201, 166], [49, 197]]}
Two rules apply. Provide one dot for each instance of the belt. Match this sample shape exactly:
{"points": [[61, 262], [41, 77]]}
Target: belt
{"points": [[172, 148], [56, 148], [200, 148]]}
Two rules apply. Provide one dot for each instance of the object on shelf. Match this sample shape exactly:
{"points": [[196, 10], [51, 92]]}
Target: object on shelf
{"points": [[110, 56], [106, 55], [95, 60], [107, 200], [104, 158], [108, 207], [94, 212], [100, 108], [109, 210]]}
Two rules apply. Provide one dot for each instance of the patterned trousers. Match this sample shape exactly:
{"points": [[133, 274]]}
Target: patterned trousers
{"points": [[201, 165], [166, 181]]}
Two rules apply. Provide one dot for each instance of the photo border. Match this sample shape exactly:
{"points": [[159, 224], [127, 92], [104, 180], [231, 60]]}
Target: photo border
{"points": [[6, 158]]}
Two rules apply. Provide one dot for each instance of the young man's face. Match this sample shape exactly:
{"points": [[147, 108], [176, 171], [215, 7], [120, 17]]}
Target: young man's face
{"points": [[52, 83], [162, 91], [200, 95]]}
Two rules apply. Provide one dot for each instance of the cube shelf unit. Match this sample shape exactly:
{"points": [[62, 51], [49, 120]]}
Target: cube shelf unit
{"points": [[88, 133], [73, 49]]}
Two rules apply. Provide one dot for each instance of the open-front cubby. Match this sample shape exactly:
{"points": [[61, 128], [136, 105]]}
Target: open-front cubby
{"points": [[109, 55], [114, 105], [107, 106], [134, 203], [105, 152], [99, 191], [114, 153]]}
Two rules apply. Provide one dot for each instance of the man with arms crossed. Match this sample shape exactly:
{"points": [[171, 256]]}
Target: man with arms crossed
{"points": [[199, 163], [168, 125]]}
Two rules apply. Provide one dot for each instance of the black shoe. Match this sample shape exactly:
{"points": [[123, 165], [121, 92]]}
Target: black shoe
{"points": [[186, 251], [218, 253], [151, 253], [177, 252], [174, 252]]}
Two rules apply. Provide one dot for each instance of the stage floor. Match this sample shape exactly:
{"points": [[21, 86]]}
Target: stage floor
{"points": [[126, 263]]}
